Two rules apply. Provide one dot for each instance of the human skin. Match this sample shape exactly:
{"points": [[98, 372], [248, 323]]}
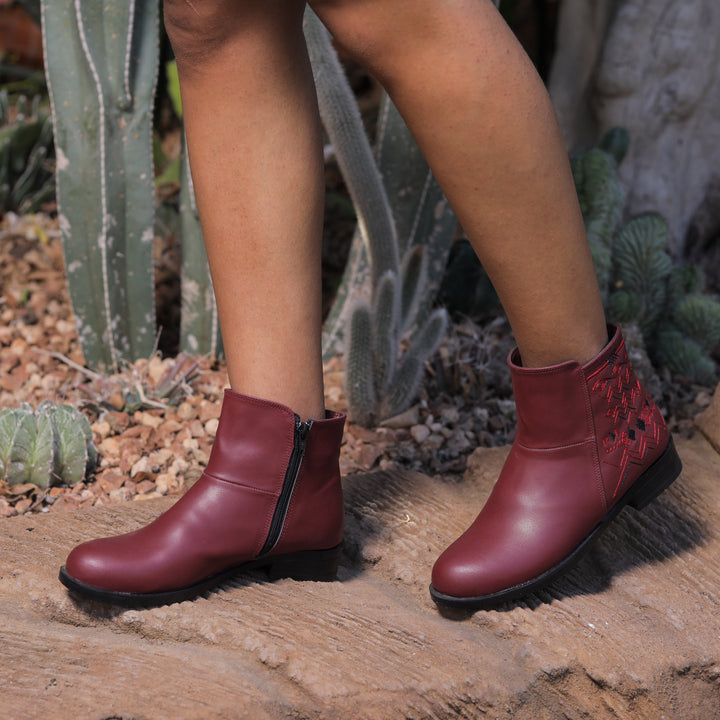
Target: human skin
{"points": [[479, 113]]}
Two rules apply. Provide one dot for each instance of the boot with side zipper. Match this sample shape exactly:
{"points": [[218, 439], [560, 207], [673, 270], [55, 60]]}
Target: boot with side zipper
{"points": [[270, 498], [589, 442]]}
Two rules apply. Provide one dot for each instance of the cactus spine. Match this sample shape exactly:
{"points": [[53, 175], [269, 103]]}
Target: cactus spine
{"points": [[49, 446], [101, 62]]}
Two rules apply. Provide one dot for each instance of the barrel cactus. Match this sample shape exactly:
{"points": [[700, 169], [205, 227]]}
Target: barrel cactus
{"points": [[49, 446]]}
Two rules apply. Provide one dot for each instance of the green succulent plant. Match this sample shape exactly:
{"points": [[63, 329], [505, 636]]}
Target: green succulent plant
{"points": [[640, 284], [405, 227], [49, 446], [27, 155]]}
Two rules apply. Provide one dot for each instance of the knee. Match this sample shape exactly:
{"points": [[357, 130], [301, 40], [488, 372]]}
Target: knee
{"points": [[197, 29], [353, 27]]}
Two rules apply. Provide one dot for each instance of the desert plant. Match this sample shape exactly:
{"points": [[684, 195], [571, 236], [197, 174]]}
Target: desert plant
{"points": [[640, 284], [101, 66], [399, 253], [26, 155], [49, 446]]}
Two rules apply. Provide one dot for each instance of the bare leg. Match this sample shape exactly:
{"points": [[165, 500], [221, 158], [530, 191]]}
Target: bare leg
{"points": [[485, 124], [255, 148]]}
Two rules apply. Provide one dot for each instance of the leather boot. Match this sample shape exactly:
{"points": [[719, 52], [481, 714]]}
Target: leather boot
{"points": [[269, 498], [589, 441]]}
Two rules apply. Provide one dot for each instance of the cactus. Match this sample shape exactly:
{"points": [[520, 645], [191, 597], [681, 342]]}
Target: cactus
{"points": [[399, 254], [49, 446], [101, 62], [26, 156], [601, 200], [641, 267], [199, 323], [379, 381], [639, 283]]}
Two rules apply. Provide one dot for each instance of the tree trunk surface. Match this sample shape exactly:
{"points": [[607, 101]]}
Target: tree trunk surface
{"points": [[631, 632], [650, 67]]}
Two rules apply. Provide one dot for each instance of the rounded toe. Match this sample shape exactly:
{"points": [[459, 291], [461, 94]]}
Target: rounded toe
{"points": [[87, 563], [456, 575]]}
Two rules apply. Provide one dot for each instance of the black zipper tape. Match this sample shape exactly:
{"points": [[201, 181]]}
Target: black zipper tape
{"points": [[300, 436]]}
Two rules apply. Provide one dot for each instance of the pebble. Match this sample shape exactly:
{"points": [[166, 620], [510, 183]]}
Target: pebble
{"points": [[186, 412], [420, 433], [102, 429], [406, 419], [141, 466]]}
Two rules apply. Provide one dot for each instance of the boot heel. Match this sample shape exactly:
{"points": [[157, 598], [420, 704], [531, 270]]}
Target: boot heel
{"points": [[319, 565], [656, 479]]}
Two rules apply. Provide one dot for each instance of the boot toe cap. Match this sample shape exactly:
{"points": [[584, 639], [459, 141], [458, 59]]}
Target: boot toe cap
{"points": [[458, 574], [101, 564]]}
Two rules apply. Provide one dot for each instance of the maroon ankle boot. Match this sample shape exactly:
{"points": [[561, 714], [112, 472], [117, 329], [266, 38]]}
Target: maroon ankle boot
{"points": [[589, 441], [269, 498]]}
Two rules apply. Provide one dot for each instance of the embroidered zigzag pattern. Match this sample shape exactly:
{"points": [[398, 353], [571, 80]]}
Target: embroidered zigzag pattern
{"points": [[636, 432]]}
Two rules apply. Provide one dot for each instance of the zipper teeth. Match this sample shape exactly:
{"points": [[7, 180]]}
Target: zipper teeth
{"points": [[300, 434]]}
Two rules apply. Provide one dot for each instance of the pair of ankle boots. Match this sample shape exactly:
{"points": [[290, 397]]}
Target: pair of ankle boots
{"points": [[589, 441]]}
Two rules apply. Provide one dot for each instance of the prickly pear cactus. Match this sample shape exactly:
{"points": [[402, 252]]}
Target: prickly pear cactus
{"points": [[27, 156], [49, 446]]}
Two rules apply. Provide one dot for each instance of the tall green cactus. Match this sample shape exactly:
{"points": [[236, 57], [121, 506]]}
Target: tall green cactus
{"points": [[199, 324], [405, 227], [101, 65]]}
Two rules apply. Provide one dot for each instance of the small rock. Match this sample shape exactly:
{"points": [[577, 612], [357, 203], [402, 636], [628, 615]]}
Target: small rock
{"points": [[109, 446], [141, 466], [369, 455], [186, 412], [118, 421], [117, 400], [145, 486], [211, 427], [102, 429], [196, 429], [6, 509], [171, 427], [406, 419], [110, 480], [434, 442], [450, 415], [420, 433], [208, 411], [120, 495], [148, 419]]}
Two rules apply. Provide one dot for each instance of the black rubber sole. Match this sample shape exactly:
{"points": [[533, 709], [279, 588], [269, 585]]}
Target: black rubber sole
{"points": [[658, 477], [318, 565]]}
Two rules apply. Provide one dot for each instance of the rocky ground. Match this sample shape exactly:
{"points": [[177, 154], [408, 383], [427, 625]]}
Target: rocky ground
{"points": [[154, 422]]}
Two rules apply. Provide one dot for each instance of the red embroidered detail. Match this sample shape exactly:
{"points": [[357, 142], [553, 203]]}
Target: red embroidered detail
{"points": [[635, 429]]}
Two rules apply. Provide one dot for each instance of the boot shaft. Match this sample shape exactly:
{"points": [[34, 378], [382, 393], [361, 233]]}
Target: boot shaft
{"points": [[601, 401], [265, 446]]}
